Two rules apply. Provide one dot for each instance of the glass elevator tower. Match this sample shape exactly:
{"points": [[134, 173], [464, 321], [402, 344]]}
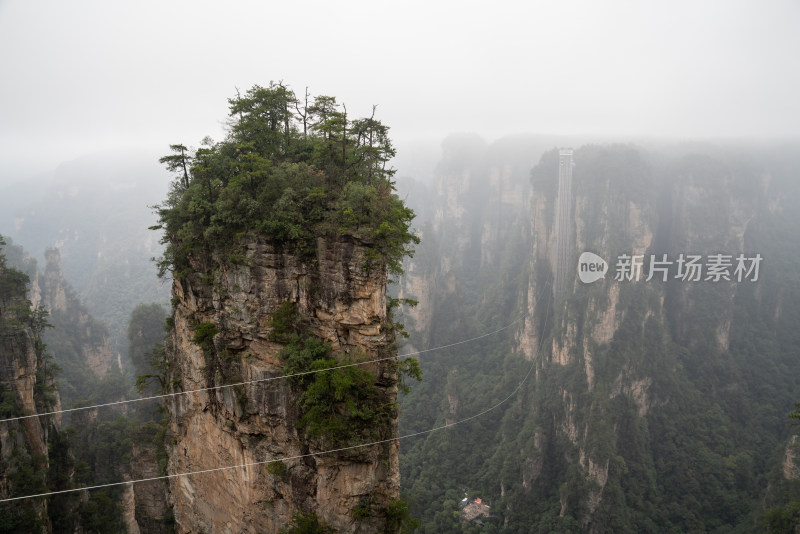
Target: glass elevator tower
{"points": [[563, 272]]}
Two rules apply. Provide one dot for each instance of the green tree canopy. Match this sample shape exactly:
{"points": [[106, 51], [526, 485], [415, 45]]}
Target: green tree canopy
{"points": [[289, 170]]}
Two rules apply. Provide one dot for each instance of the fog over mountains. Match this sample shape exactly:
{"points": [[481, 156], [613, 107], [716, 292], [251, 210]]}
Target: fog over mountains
{"points": [[297, 139], [599, 436]]}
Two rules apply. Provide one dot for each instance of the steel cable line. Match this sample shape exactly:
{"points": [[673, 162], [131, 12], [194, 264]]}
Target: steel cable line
{"points": [[246, 382], [330, 451]]}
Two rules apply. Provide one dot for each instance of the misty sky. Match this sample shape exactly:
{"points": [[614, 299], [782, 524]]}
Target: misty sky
{"points": [[78, 76]]}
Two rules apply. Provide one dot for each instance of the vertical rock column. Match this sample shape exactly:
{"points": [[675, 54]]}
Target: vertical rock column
{"points": [[344, 304]]}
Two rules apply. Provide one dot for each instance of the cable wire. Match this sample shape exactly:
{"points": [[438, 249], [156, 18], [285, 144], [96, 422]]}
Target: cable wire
{"points": [[246, 382], [330, 451]]}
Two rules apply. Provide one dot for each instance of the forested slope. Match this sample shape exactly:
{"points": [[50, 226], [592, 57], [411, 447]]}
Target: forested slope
{"points": [[652, 406], [53, 347]]}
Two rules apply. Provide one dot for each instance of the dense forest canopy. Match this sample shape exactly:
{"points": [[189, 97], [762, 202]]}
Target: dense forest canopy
{"points": [[293, 169]]}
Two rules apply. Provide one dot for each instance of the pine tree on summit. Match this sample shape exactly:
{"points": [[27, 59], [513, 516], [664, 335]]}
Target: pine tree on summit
{"points": [[289, 172], [178, 162]]}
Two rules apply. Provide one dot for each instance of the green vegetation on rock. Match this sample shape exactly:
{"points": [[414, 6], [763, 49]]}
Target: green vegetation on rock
{"points": [[288, 170], [343, 404]]}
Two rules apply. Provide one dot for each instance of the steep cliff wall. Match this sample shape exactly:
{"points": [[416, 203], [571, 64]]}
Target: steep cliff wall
{"points": [[630, 366], [26, 387], [53, 335], [611, 217], [344, 305], [651, 405], [612, 342], [147, 503], [476, 209], [71, 315], [77, 340]]}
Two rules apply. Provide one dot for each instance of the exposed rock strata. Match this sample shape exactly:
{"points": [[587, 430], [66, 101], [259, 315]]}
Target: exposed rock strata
{"points": [[23, 443], [346, 306]]}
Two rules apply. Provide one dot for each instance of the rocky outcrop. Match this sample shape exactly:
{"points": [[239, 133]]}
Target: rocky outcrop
{"points": [[344, 303], [25, 388], [473, 512], [580, 331], [54, 288], [127, 504], [70, 314], [617, 211], [149, 510], [791, 459]]}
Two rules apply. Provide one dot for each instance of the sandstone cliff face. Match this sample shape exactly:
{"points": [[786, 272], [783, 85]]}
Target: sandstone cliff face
{"points": [[146, 503], [613, 215], [51, 291], [346, 307], [624, 373], [791, 459], [601, 207], [479, 194], [23, 443]]}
